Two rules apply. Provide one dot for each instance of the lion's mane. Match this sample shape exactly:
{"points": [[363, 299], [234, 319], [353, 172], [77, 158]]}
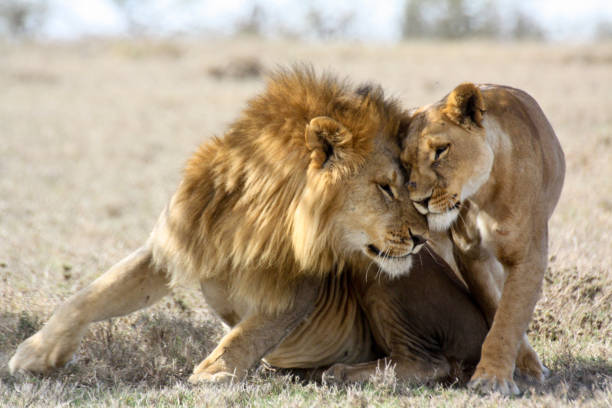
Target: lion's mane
{"points": [[253, 209]]}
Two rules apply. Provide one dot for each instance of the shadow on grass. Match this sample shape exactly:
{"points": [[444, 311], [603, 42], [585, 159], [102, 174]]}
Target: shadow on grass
{"points": [[159, 350], [573, 377], [152, 350]]}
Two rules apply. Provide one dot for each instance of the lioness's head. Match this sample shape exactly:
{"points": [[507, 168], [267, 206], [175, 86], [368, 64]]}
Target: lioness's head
{"points": [[356, 200], [446, 155]]}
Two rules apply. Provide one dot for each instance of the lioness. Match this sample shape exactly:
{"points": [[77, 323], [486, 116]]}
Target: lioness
{"points": [[485, 165], [306, 182]]}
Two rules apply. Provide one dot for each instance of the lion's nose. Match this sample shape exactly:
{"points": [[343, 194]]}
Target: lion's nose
{"points": [[417, 240]]}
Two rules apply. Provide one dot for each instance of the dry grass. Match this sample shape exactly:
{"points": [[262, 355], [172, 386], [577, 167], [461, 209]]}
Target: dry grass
{"points": [[92, 139]]}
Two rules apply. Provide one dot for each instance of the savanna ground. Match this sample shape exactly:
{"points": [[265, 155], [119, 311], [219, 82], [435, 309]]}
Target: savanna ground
{"points": [[93, 136]]}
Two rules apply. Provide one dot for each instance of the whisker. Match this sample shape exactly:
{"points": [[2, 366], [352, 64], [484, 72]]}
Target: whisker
{"points": [[378, 273], [368, 269], [461, 217], [386, 253]]}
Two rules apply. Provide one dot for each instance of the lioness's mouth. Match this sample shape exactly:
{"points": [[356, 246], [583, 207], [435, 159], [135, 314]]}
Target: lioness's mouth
{"points": [[443, 220], [423, 208]]}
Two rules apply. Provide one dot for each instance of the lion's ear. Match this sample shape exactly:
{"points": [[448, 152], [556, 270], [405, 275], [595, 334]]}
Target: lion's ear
{"points": [[326, 139], [464, 105]]}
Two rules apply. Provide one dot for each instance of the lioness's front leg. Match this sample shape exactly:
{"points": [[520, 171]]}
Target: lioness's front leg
{"points": [[500, 349], [253, 338], [485, 278], [131, 284]]}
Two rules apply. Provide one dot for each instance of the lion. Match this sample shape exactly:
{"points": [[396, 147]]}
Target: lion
{"points": [[360, 325], [305, 184], [487, 170]]}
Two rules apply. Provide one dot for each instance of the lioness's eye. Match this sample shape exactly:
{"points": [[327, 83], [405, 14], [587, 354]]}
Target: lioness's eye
{"points": [[387, 190], [440, 150]]}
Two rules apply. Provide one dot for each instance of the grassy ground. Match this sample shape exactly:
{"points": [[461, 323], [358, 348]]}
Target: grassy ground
{"points": [[92, 140]]}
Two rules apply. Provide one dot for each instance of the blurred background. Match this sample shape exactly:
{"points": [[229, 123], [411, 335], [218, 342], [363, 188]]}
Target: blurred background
{"points": [[102, 101], [358, 20]]}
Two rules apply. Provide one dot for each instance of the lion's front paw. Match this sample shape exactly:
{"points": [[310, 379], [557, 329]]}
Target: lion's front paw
{"points": [[528, 364], [487, 381], [216, 372], [222, 377], [37, 355]]}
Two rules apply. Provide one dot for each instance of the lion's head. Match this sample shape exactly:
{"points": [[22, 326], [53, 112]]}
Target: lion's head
{"points": [[446, 154], [307, 180], [356, 202]]}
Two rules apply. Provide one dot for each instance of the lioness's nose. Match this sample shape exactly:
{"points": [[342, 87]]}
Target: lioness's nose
{"points": [[425, 202], [422, 206]]}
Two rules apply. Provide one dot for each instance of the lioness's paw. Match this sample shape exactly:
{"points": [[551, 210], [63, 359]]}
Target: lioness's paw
{"points": [[38, 356], [528, 364], [487, 383]]}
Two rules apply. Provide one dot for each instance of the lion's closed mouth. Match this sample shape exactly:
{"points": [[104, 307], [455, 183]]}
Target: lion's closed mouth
{"points": [[373, 250]]}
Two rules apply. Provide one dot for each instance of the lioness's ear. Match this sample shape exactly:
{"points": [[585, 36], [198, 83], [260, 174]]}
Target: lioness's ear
{"points": [[326, 138], [465, 104]]}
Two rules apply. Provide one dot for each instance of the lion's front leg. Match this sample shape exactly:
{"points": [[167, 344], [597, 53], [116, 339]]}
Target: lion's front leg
{"points": [[128, 286], [483, 278], [252, 338]]}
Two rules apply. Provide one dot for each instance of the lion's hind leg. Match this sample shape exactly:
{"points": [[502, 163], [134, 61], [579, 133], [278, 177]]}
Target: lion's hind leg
{"points": [[131, 284], [412, 370]]}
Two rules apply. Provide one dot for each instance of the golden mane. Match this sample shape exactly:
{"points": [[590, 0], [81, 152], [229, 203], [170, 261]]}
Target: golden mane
{"points": [[252, 208]]}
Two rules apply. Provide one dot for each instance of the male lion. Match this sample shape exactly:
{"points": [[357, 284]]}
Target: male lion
{"points": [[485, 164], [362, 324], [307, 182]]}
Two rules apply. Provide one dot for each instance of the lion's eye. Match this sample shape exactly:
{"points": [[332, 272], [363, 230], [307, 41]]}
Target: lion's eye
{"points": [[387, 190], [440, 151]]}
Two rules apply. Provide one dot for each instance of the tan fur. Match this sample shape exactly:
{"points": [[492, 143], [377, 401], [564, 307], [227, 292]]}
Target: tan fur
{"points": [[494, 186], [362, 325], [307, 182]]}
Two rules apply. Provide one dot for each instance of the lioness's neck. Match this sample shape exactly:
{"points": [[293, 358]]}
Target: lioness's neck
{"points": [[501, 146]]}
